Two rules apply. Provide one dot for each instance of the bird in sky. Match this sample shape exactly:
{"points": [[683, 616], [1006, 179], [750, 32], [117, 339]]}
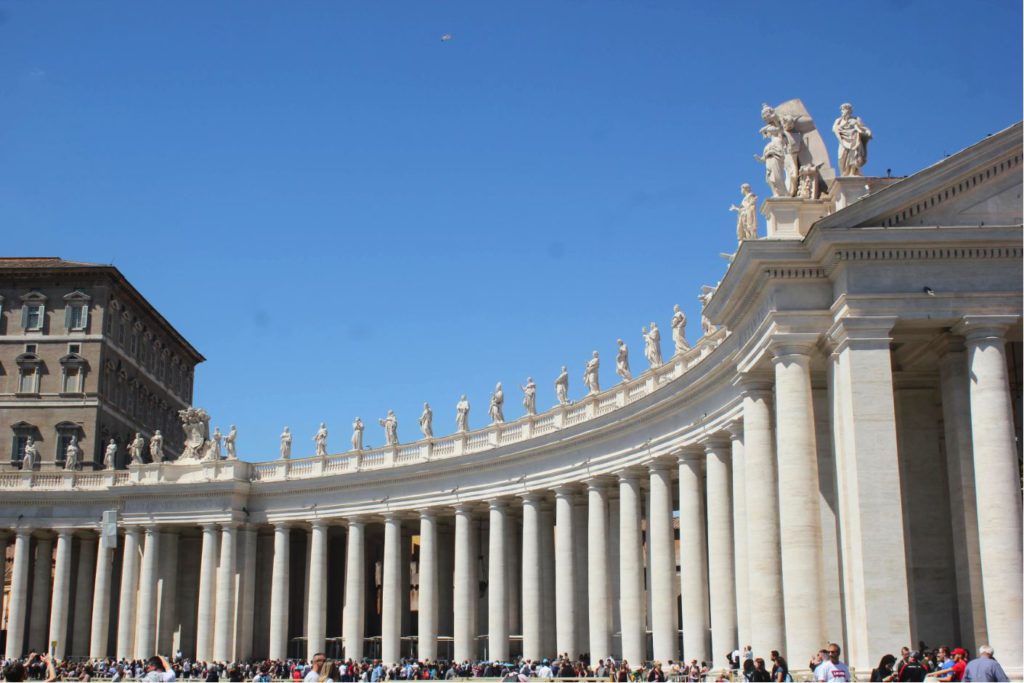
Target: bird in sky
{"points": [[446, 37]]}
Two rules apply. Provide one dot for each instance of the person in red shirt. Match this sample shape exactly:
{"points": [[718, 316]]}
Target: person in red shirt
{"points": [[956, 671]]}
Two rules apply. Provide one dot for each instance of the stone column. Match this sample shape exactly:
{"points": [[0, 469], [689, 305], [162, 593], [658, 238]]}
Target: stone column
{"points": [[997, 485], [597, 575], [246, 594], [497, 582], [631, 572], [100, 624], [316, 610], [427, 625], [146, 613], [278, 648], [19, 594], [61, 595], [661, 540], [391, 605], [531, 593], [223, 640], [739, 525], [549, 633], [168, 637], [721, 563], [207, 591], [466, 582], [129, 594], [767, 623], [40, 616], [693, 559], [355, 578], [565, 573], [800, 516], [83, 595]]}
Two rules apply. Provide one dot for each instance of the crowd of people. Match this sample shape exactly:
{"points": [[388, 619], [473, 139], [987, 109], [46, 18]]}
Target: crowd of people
{"points": [[940, 664]]}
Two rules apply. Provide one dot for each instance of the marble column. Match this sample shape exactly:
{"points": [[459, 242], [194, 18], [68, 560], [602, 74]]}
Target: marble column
{"points": [[246, 612], [800, 516], [531, 593], [99, 629], [631, 572], [129, 594], [278, 648], [597, 575], [497, 582], [739, 525], [40, 615], [549, 631], [146, 612], [223, 634], [167, 589], [427, 624], [997, 485], [693, 559], [391, 604], [19, 594], [764, 568], [721, 560], [316, 610], [61, 600], [207, 592], [661, 540], [466, 582], [355, 579], [84, 578], [565, 573]]}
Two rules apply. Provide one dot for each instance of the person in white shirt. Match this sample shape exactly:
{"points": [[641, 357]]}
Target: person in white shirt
{"points": [[832, 669], [313, 676]]}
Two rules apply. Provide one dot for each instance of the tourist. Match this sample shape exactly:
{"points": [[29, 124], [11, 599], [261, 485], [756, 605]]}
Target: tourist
{"points": [[913, 669], [656, 674], [884, 671], [158, 670], [951, 669], [985, 667], [833, 669], [759, 674], [317, 663], [780, 669]]}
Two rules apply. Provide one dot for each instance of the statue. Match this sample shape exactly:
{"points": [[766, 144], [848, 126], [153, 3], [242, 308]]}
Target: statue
{"points": [[196, 424], [390, 425], [706, 326], [853, 138], [808, 188], [562, 387], [320, 439], [213, 452], [679, 329], [31, 456], [357, 435], [462, 414], [156, 447], [286, 444], [622, 362], [652, 346], [746, 215], [590, 378], [110, 455], [774, 155], [229, 443], [497, 402], [530, 396], [138, 445], [72, 454], [426, 421]]}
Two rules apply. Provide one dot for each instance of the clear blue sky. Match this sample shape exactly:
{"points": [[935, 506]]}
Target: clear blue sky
{"points": [[346, 214]]}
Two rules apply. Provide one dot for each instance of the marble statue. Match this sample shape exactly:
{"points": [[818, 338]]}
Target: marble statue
{"points": [[195, 422], [357, 435], [774, 159], [462, 414], [110, 455], [705, 325], [562, 387], [390, 424], [156, 447], [496, 410], [808, 188], [791, 164], [427, 421], [286, 444], [135, 449], [590, 374], [622, 362], [31, 457], [653, 347], [679, 329], [853, 138], [530, 396], [72, 454], [320, 439], [215, 443], [229, 443], [746, 215]]}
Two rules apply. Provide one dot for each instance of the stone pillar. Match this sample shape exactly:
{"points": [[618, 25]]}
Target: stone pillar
{"points": [[800, 516], [997, 486], [61, 600], [83, 595], [693, 559], [497, 582], [207, 591], [355, 578], [391, 605], [316, 610], [466, 582], [565, 574], [597, 576], [146, 612], [427, 626], [246, 595], [767, 624], [739, 524], [661, 541], [100, 624], [531, 593], [129, 594], [168, 639], [631, 573], [40, 616], [278, 648], [223, 634], [721, 561], [549, 633], [19, 594]]}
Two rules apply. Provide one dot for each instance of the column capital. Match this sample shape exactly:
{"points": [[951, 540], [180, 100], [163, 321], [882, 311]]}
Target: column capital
{"points": [[355, 521], [209, 526], [754, 384], [565, 490], [319, 523], [598, 483], [282, 524], [717, 443], [65, 533], [428, 513], [500, 503], [630, 475], [948, 345], [228, 526], [659, 465], [735, 429], [132, 529], [862, 332], [793, 345], [531, 497], [694, 453], [978, 328], [23, 532]]}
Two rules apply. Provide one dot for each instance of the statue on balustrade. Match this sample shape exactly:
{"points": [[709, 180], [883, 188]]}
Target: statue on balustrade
{"points": [[774, 160], [590, 374], [31, 456], [530, 396], [427, 421], [136, 448], [746, 215], [156, 447], [622, 362], [652, 345], [357, 435], [229, 443], [110, 455], [679, 330], [809, 187], [497, 403], [462, 415], [195, 422], [562, 387], [320, 439], [853, 138], [72, 455], [286, 443], [390, 424], [213, 453]]}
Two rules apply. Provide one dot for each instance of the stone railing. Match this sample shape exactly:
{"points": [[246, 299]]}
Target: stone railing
{"points": [[425, 450]]}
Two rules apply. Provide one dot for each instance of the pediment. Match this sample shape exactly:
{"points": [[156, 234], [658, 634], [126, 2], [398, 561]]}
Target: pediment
{"points": [[77, 295], [34, 297]]}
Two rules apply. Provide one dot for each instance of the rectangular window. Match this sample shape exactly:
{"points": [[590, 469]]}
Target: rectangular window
{"points": [[75, 316], [63, 441], [133, 344], [71, 381], [32, 317], [27, 381], [74, 348], [20, 441], [30, 348]]}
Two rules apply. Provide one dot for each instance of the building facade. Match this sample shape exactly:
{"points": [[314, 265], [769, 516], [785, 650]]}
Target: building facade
{"points": [[839, 455]]}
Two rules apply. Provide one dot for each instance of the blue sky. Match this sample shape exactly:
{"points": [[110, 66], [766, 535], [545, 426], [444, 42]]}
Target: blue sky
{"points": [[347, 214]]}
